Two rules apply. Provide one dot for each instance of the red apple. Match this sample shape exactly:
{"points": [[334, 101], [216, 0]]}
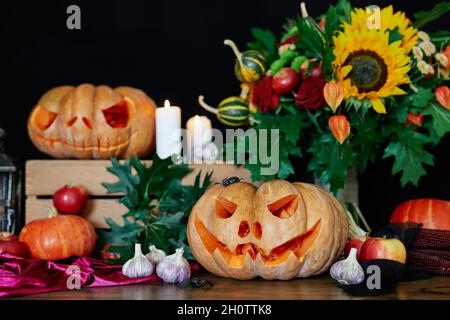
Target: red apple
{"points": [[285, 81], [10, 244], [356, 243], [8, 236], [382, 248], [70, 199]]}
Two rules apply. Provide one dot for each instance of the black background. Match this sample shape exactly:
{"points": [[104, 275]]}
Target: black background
{"points": [[172, 50]]}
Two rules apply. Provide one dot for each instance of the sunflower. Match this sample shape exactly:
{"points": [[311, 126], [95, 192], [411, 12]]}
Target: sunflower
{"points": [[368, 66], [389, 21]]}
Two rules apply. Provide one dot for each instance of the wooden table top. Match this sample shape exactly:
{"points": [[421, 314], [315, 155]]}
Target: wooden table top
{"points": [[316, 288]]}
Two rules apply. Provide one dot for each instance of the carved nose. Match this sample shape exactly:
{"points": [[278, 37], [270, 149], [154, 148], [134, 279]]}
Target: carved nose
{"points": [[244, 229], [257, 230], [86, 122]]}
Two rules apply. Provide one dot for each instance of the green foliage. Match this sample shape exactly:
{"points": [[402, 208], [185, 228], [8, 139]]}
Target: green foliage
{"points": [[311, 42], [366, 139], [158, 206], [289, 120], [422, 18], [394, 35], [408, 149], [440, 117], [373, 136], [331, 160], [265, 41]]}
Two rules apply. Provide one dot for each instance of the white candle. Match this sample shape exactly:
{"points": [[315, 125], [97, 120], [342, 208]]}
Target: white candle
{"points": [[168, 123], [200, 130]]}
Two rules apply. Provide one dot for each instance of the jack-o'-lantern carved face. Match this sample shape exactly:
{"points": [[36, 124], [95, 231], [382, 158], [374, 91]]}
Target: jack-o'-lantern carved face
{"points": [[93, 122], [278, 231]]}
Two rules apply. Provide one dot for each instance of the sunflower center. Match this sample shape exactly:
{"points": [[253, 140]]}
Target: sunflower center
{"points": [[369, 72]]}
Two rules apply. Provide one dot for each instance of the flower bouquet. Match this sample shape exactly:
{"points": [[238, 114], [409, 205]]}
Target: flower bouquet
{"points": [[345, 89]]}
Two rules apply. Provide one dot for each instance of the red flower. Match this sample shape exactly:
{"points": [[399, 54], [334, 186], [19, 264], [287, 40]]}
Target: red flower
{"points": [[415, 119], [442, 94], [263, 96], [310, 92], [290, 40]]}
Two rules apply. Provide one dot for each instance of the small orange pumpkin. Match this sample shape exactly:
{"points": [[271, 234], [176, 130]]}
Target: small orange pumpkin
{"points": [[277, 231], [87, 122], [59, 237], [431, 213]]}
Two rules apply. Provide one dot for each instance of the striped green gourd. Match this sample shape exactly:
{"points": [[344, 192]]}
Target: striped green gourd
{"points": [[250, 65], [232, 111]]}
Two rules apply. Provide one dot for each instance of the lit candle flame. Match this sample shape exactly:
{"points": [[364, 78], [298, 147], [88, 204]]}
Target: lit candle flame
{"points": [[166, 104]]}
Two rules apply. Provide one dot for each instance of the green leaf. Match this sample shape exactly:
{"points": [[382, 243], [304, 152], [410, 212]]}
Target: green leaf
{"points": [[331, 160], [366, 139], [289, 122], [422, 97], [343, 10], [394, 35], [440, 117], [422, 18], [331, 23], [440, 37], [327, 65], [162, 223], [310, 42], [409, 159], [265, 42]]}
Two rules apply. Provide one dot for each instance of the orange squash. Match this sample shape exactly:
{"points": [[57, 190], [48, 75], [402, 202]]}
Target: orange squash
{"points": [[59, 237], [431, 213], [277, 231], [88, 122]]}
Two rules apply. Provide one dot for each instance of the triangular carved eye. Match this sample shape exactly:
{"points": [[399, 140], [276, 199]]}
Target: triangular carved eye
{"points": [[284, 207], [43, 118], [117, 116], [225, 208]]}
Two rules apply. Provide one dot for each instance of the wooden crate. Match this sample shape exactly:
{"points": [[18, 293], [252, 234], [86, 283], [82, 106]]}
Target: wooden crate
{"points": [[44, 177]]}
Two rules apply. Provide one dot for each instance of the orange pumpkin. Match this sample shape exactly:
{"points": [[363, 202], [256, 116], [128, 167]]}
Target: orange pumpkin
{"points": [[277, 231], [431, 213], [88, 122], [59, 237]]}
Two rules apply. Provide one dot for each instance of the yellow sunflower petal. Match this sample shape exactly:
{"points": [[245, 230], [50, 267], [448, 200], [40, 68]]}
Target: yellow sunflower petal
{"points": [[378, 105]]}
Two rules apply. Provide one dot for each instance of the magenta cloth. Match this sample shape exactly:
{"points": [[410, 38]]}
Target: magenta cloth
{"points": [[20, 276]]}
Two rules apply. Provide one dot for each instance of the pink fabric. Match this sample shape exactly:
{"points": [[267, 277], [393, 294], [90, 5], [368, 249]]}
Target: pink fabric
{"points": [[20, 276]]}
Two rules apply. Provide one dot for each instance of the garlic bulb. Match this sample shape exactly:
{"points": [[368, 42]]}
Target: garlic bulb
{"points": [[138, 266], [348, 271], [174, 268], [155, 255]]}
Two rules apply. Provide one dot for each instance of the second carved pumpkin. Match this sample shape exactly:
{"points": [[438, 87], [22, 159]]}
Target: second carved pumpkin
{"points": [[88, 122], [277, 231]]}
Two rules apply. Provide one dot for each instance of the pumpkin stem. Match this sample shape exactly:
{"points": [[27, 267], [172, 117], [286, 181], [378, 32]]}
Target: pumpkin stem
{"points": [[360, 215], [51, 212], [233, 46], [303, 10], [244, 92], [207, 107], [355, 230]]}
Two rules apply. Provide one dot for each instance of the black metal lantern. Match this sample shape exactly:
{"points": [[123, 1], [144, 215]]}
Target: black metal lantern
{"points": [[10, 190]]}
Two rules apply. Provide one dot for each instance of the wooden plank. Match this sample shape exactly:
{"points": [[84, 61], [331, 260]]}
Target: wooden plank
{"points": [[315, 288], [95, 212], [44, 177]]}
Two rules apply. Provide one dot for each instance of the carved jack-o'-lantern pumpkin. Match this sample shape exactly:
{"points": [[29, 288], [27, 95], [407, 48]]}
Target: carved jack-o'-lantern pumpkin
{"points": [[277, 231], [93, 122]]}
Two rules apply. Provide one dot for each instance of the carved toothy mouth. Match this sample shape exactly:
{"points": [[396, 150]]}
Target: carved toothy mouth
{"points": [[82, 147], [298, 245]]}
